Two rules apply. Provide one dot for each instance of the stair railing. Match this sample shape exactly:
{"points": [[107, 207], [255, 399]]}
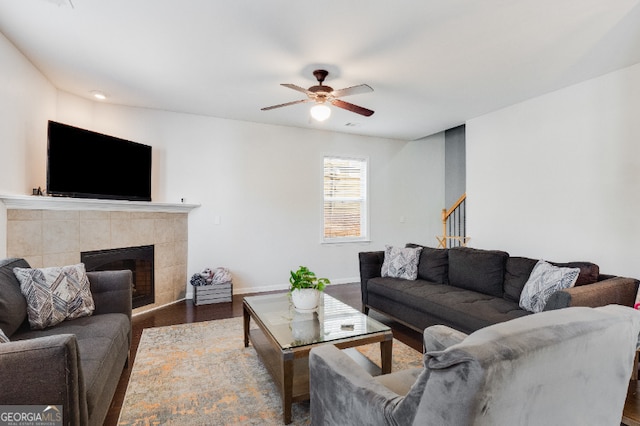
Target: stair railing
{"points": [[454, 225]]}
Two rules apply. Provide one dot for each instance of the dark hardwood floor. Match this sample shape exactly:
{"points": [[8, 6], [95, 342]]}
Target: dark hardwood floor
{"points": [[185, 312]]}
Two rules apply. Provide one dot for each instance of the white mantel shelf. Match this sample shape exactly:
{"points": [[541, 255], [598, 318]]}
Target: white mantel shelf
{"points": [[28, 202]]}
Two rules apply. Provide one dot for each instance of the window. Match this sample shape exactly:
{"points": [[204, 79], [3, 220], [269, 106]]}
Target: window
{"points": [[345, 199]]}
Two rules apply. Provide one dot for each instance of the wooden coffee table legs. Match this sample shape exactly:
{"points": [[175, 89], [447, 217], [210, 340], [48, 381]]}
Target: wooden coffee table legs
{"points": [[287, 388], [386, 356], [247, 318]]}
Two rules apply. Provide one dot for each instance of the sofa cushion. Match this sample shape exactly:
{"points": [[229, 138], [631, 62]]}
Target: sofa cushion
{"points": [[589, 272], [516, 274], [477, 270], [103, 342], [433, 265], [545, 280], [399, 382], [13, 306], [401, 262], [55, 294], [462, 309]]}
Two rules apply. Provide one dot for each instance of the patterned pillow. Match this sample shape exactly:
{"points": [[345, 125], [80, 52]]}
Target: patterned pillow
{"points": [[55, 294], [401, 262], [545, 279], [3, 337]]}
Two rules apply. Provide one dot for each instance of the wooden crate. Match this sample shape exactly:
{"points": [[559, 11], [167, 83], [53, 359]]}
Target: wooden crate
{"points": [[214, 293]]}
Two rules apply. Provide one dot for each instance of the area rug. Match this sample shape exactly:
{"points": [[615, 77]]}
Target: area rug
{"points": [[201, 374]]}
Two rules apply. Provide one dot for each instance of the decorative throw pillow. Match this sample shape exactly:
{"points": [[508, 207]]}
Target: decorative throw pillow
{"points": [[401, 262], [3, 337], [55, 294], [545, 279], [589, 272]]}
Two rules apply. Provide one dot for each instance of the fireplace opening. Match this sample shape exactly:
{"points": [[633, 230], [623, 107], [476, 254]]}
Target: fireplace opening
{"points": [[139, 260]]}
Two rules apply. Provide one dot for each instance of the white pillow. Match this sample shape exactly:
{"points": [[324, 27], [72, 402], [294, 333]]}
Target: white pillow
{"points": [[545, 279], [55, 294], [400, 262]]}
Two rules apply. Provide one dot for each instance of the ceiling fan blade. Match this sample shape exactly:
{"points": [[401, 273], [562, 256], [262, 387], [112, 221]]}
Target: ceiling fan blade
{"points": [[298, 88], [301, 101], [351, 107], [354, 90]]}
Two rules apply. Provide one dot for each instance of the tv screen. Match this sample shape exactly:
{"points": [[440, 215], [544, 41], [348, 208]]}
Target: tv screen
{"points": [[86, 164]]}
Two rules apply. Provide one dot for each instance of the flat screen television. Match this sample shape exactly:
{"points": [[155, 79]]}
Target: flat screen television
{"points": [[86, 164]]}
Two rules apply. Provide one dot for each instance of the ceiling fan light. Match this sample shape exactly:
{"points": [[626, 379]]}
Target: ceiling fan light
{"points": [[320, 112]]}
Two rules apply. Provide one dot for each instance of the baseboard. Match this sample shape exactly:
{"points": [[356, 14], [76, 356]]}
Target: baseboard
{"points": [[155, 308], [277, 287], [262, 289]]}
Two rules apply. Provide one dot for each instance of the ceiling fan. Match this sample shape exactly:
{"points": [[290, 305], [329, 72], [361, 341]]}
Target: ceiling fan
{"points": [[321, 95]]}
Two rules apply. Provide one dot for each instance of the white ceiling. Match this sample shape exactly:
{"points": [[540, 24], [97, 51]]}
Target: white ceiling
{"points": [[433, 64]]}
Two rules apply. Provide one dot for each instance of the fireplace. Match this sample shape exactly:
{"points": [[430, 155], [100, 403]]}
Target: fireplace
{"points": [[139, 260]]}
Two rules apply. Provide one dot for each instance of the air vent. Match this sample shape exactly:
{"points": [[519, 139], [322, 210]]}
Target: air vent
{"points": [[61, 3]]}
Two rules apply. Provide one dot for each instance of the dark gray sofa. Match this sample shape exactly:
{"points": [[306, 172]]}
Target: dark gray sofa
{"points": [[469, 289], [76, 364]]}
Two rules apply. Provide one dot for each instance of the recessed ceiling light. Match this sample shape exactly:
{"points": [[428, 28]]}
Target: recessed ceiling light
{"points": [[97, 94]]}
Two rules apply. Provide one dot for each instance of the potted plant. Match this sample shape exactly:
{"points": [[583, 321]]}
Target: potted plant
{"points": [[305, 288]]}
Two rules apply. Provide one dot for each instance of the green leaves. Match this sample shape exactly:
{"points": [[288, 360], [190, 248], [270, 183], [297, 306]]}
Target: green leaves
{"points": [[304, 278]]}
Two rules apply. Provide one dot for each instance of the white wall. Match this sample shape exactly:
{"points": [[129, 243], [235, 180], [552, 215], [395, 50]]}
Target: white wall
{"points": [[558, 177], [263, 184], [27, 101]]}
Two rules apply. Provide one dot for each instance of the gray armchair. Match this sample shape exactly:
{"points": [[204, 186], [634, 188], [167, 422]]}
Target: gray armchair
{"points": [[561, 367]]}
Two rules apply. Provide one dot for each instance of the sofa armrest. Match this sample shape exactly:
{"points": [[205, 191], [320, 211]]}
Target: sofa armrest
{"points": [[44, 371], [617, 290], [111, 291], [440, 337], [336, 380], [370, 267]]}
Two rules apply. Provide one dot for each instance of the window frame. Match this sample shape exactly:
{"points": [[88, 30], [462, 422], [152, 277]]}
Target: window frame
{"points": [[364, 200]]}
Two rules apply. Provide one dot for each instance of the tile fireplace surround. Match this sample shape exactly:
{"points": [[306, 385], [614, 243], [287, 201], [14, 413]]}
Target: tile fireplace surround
{"points": [[50, 231]]}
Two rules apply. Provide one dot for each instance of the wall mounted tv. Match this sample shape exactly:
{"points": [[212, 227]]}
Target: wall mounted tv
{"points": [[86, 164]]}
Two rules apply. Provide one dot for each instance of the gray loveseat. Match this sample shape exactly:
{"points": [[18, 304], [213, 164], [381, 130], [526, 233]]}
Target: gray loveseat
{"points": [[76, 364], [469, 289]]}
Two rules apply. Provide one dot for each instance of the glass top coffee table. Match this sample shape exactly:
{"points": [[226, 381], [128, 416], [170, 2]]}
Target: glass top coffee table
{"points": [[285, 336]]}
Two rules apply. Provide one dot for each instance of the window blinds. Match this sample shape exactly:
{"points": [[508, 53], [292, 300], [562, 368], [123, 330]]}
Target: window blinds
{"points": [[345, 189]]}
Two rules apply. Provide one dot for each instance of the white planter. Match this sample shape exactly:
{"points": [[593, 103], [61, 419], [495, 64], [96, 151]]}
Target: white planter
{"points": [[305, 299]]}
